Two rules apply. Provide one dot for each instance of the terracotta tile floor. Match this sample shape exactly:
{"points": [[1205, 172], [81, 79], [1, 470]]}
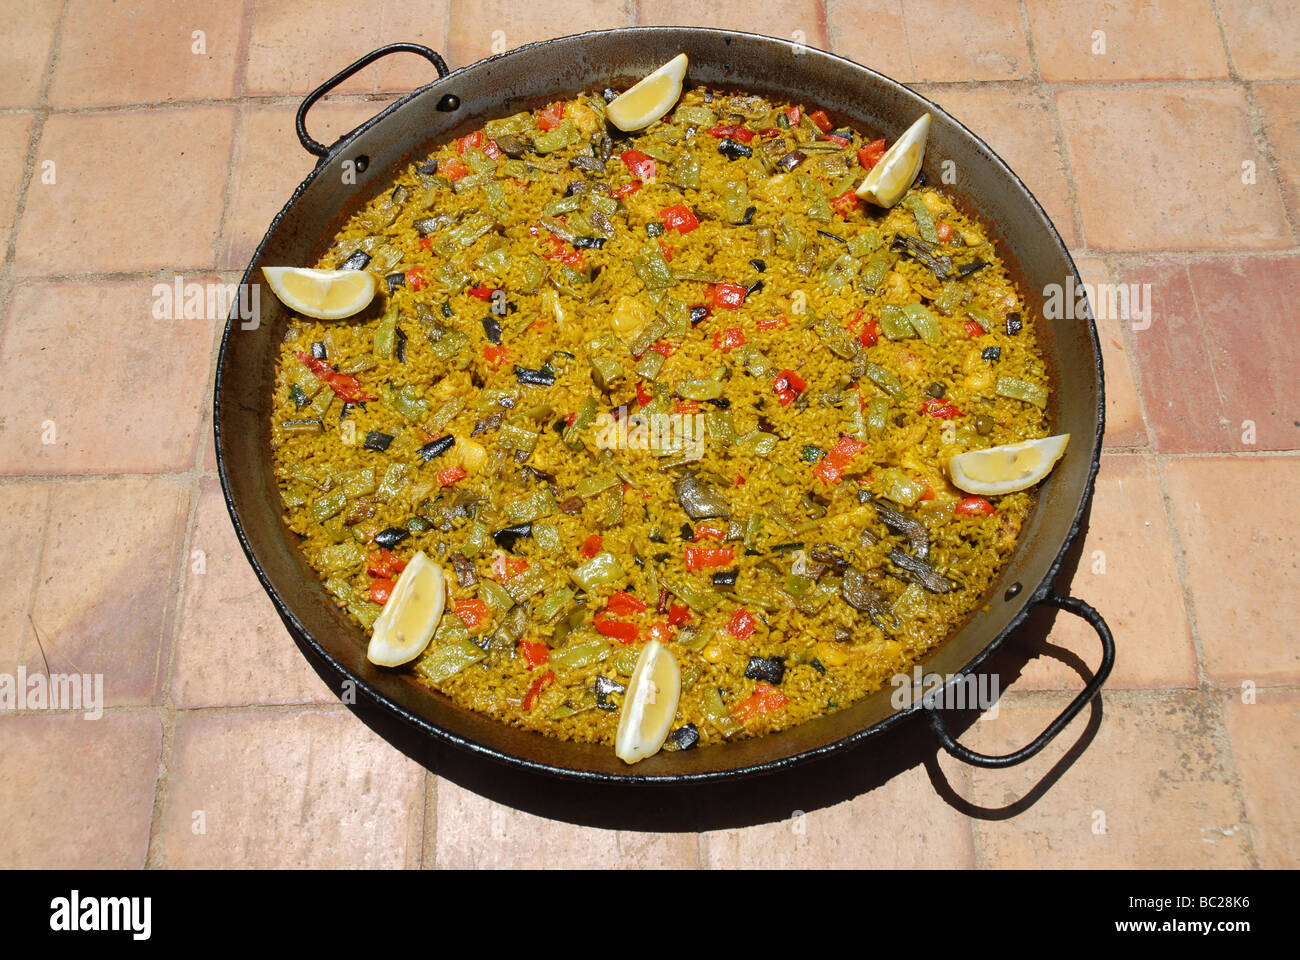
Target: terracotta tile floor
{"points": [[141, 140]]}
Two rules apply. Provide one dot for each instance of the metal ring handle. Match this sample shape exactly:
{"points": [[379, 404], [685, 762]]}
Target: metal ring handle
{"points": [[1070, 605], [319, 149]]}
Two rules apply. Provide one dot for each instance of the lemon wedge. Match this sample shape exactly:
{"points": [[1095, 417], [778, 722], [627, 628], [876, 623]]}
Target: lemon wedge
{"points": [[323, 294], [410, 616], [650, 705], [650, 98], [1008, 468], [889, 179]]}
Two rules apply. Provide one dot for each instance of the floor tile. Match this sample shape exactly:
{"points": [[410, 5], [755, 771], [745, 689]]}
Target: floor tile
{"points": [[482, 29], [1265, 737], [1127, 572], [1124, 424], [1261, 36], [100, 60], [1279, 103], [872, 32], [296, 45], [15, 130], [977, 40], [87, 395], [25, 46], [231, 648], [303, 789], [23, 508], [1190, 199], [474, 832], [1154, 40], [801, 20], [412, 21], [1247, 310], [104, 593], [91, 219], [903, 824], [270, 162], [1152, 790], [1018, 125], [78, 793], [1238, 520]]}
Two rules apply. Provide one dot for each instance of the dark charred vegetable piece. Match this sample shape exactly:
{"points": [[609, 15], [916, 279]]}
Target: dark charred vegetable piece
{"points": [[466, 575], [399, 349], [748, 216], [685, 737], [572, 505], [391, 537], [767, 669], [490, 422], [699, 501], [1014, 323], [916, 248], [726, 578], [991, 354], [722, 403], [436, 448], [918, 538], [492, 328], [698, 315], [318, 350], [430, 166], [734, 150], [830, 555], [377, 441], [587, 164], [687, 532], [787, 547], [512, 146], [357, 261], [588, 243], [791, 160], [535, 378], [508, 537], [832, 236], [758, 265], [602, 688], [966, 269], [395, 280], [920, 572], [753, 288], [859, 596], [427, 225], [935, 390]]}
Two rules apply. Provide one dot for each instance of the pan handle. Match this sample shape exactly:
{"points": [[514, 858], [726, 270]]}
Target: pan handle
{"points": [[319, 149], [1070, 605]]}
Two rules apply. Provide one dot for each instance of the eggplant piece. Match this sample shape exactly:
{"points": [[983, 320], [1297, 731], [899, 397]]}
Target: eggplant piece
{"points": [[758, 264], [792, 160], [395, 280], [991, 354], [753, 288], [921, 573], [357, 261], [787, 547], [1014, 324], [436, 448], [918, 537], [587, 164], [685, 737], [492, 329], [391, 537], [429, 167], [490, 422], [399, 348], [830, 555], [916, 248], [699, 501], [859, 596], [318, 350], [572, 505], [966, 269], [377, 441], [722, 403], [698, 315], [767, 669], [535, 378], [513, 146], [541, 476], [602, 688], [466, 574], [588, 243], [508, 537], [748, 216], [733, 149], [511, 629], [429, 225], [726, 578]]}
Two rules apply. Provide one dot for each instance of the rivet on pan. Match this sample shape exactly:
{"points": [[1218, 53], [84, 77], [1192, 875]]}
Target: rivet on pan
{"points": [[362, 161], [449, 102], [1012, 591]]}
